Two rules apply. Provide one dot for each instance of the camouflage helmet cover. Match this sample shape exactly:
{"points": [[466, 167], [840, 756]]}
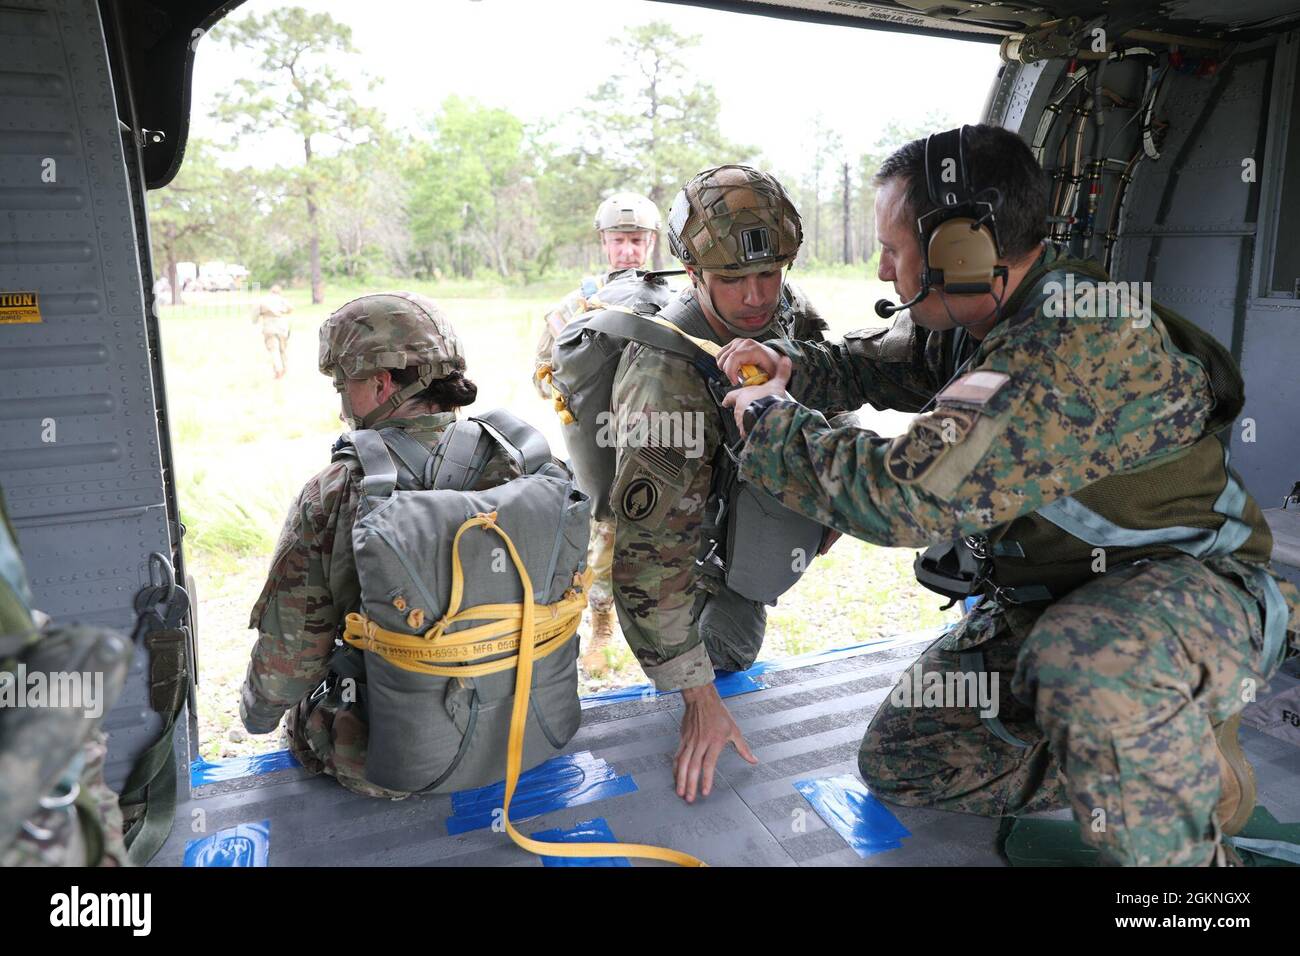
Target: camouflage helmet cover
{"points": [[627, 212], [734, 220], [388, 330]]}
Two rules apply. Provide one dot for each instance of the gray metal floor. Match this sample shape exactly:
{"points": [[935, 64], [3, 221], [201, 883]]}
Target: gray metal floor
{"points": [[806, 723]]}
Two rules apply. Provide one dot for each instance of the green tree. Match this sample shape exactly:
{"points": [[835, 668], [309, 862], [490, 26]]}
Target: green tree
{"points": [[186, 217], [296, 90], [653, 125], [473, 191]]}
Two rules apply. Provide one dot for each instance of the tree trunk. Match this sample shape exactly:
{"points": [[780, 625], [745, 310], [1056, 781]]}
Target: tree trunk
{"points": [[313, 227], [173, 277], [847, 258]]}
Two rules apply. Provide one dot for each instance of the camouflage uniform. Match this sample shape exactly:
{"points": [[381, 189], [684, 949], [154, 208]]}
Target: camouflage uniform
{"points": [[311, 587], [1110, 686], [655, 548], [600, 555], [88, 831], [272, 314]]}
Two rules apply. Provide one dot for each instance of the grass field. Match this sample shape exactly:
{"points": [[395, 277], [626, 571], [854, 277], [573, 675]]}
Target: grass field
{"points": [[245, 443]]}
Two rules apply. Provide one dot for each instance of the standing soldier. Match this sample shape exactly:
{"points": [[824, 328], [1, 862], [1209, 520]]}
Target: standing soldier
{"points": [[735, 230], [627, 224], [271, 312], [1072, 473]]}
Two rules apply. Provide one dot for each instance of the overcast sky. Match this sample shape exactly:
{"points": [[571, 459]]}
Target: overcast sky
{"points": [[541, 59]]}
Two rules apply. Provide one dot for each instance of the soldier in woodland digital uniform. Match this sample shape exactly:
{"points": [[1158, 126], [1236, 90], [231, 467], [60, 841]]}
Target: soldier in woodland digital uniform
{"points": [[1074, 450]]}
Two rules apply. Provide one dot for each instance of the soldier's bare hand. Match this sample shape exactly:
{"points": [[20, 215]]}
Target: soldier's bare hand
{"points": [[741, 398], [707, 728], [740, 352]]}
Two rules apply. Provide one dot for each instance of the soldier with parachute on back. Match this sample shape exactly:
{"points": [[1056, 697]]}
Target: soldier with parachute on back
{"points": [[423, 530], [697, 554], [628, 225]]}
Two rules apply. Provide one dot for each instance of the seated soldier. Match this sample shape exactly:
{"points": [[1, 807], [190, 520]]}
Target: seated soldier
{"points": [[397, 364]]}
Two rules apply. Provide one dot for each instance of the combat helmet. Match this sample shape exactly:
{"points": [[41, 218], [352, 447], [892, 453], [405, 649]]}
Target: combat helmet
{"points": [[388, 330], [734, 220], [627, 212]]}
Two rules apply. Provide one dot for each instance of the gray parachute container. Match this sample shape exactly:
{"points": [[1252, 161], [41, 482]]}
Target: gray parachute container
{"points": [[583, 362], [435, 733]]}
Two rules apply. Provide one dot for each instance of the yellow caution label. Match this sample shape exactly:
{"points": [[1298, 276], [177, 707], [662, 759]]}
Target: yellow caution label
{"points": [[19, 307]]}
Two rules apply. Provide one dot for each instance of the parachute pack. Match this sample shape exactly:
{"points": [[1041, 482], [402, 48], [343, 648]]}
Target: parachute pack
{"points": [[469, 603], [749, 540]]}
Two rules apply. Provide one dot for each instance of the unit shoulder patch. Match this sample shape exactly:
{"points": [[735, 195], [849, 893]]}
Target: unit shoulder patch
{"points": [[913, 454], [639, 499]]}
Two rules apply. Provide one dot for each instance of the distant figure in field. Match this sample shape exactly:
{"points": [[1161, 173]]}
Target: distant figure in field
{"points": [[271, 313]]}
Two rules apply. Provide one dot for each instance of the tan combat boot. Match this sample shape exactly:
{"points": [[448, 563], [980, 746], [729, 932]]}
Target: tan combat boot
{"points": [[1237, 796], [602, 632]]}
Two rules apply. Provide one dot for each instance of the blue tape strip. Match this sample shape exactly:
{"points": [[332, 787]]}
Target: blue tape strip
{"points": [[212, 771], [744, 682], [588, 831], [568, 780], [849, 809], [247, 844]]}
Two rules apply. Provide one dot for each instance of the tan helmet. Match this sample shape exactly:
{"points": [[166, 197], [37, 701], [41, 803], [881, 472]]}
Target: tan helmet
{"points": [[389, 330], [734, 220], [627, 212]]}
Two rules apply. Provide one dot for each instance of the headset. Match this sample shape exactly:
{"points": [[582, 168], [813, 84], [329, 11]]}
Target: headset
{"points": [[959, 239]]}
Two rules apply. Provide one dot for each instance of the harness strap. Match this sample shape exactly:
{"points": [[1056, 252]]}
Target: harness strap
{"points": [[379, 473], [413, 455], [459, 458], [524, 443], [973, 662], [1082, 522]]}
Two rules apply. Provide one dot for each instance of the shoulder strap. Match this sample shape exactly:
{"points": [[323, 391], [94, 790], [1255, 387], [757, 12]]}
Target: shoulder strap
{"points": [[410, 452], [648, 330], [524, 443], [459, 458], [379, 474]]}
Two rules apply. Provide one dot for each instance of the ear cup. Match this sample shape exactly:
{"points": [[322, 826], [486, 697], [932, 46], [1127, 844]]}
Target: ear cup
{"points": [[965, 257]]}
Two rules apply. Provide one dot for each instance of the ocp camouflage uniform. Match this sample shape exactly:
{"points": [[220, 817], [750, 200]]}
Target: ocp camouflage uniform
{"points": [[88, 830], [272, 312], [659, 496], [1111, 681], [311, 587], [600, 553]]}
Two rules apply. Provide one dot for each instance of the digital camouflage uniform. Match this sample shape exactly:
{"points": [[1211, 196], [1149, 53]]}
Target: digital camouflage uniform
{"points": [[311, 587], [656, 541], [600, 554], [76, 821], [1118, 677]]}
